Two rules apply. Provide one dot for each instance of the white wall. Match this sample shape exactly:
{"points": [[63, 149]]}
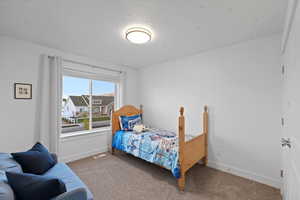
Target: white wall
{"points": [[19, 62], [74, 148], [241, 84]]}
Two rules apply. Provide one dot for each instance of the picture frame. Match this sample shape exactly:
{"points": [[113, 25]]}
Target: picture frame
{"points": [[22, 91]]}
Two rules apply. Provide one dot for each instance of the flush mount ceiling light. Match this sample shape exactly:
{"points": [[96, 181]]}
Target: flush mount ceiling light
{"points": [[138, 35]]}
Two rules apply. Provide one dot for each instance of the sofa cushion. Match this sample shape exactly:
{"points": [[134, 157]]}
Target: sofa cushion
{"points": [[30, 186], [77, 194], [71, 180], [37, 160], [7, 163], [6, 192]]}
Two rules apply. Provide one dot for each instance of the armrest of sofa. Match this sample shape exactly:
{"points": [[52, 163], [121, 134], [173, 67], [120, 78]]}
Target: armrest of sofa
{"points": [[77, 194]]}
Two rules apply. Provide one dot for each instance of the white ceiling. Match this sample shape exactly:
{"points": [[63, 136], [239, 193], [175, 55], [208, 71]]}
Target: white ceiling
{"points": [[181, 27]]}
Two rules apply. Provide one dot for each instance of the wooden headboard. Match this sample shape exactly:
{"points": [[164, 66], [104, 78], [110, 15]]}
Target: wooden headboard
{"points": [[127, 110]]}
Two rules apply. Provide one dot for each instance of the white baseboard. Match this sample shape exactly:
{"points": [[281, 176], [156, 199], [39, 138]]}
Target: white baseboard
{"points": [[245, 174], [82, 155]]}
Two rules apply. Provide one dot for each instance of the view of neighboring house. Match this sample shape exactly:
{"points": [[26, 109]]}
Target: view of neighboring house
{"points": [[76, 107]]}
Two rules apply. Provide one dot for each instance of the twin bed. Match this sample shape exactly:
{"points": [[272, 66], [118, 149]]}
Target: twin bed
{"points": [[164, 148]]}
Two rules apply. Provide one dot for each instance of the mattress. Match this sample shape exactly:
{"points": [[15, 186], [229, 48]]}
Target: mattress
{"points": [[156, 146]]}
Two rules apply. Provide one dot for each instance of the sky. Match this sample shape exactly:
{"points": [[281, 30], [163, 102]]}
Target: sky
{"points": [[80, 86]]}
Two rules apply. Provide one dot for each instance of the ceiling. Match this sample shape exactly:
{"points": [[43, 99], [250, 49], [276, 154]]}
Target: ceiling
{"points": [[94, 28]]}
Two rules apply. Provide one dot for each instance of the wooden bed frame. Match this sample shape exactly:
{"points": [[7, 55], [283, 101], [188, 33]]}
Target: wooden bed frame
{"points": [[190, 152]]}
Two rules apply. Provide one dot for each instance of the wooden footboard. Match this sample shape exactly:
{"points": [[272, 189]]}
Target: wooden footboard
{"points": [[192, 151]]}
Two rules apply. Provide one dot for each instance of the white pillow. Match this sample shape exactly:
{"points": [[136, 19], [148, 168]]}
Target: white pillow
{"points": [[139, 128]]}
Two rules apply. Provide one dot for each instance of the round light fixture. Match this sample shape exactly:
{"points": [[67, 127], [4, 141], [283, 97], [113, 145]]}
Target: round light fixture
{"points": [[138, 35]]}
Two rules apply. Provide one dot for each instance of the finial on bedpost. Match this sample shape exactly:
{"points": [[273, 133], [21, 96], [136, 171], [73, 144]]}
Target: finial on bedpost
{"points": [[112, 109], [181, 110], [205, 108]]}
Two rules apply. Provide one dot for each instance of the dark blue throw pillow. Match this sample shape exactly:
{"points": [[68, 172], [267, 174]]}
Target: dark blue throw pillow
{"points": [[34, 187], [39, 147], [37, 160]]}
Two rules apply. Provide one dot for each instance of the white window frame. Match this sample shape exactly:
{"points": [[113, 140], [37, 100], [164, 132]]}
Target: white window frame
{"points": [[118, 98]]}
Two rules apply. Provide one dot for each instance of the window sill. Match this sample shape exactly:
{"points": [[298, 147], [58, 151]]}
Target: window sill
{"points": [[99, 131]]}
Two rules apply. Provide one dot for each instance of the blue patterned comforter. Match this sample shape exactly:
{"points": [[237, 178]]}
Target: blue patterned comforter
{"points": [[155, 146]]}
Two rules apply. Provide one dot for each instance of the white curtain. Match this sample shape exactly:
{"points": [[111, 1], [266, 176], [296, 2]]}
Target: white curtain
{"points": [[48, 112], [122, 86]]}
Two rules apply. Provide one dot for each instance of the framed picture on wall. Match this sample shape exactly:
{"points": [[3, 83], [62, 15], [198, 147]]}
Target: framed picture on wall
{"points": [[23, 91]]}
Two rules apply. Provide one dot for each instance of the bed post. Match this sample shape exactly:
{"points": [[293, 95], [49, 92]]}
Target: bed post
{"points": [[205, 131], [181, 137], [141, 110]]}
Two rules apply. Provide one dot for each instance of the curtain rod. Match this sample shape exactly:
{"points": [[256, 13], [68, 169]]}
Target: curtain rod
{"points": [[78, 70], [93, 66]]}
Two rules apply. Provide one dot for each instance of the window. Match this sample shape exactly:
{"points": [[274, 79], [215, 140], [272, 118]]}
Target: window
{"points": [[97, 101], [87, 104], [103, 94]]}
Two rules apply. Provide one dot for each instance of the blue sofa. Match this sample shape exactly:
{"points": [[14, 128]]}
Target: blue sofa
{"points": [[76, 189]]}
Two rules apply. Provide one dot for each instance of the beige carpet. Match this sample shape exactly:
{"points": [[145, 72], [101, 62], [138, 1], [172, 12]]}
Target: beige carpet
{"points": [[125, 177]]}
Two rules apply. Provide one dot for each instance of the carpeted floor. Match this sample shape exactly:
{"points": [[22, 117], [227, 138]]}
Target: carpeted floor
{"points": [[125, 177]]}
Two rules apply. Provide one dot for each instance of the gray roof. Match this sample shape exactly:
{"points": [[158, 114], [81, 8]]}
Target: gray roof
{"points": [[78, 100], [84, 100]]}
